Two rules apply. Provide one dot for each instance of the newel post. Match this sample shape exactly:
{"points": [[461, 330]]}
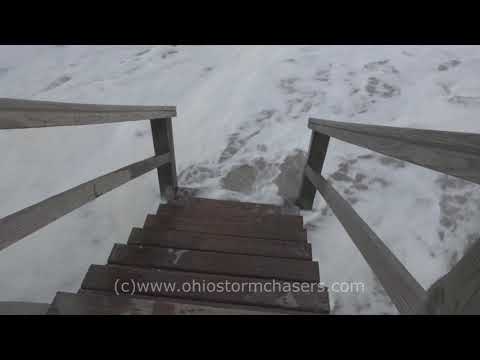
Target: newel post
{"points": [[162, 134], [458, 291], [316, 157]]}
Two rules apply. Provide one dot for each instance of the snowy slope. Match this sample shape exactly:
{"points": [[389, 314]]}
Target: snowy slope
{"points": [[241, 133]]}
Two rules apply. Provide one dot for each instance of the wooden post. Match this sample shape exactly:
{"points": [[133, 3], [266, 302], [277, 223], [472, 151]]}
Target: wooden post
{"points": [[316, 157], [163, 143], [457, 292]]}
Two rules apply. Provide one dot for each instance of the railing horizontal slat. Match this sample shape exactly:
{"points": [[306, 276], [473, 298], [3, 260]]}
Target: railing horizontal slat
{"points": [[16, 226], [405, 292], [18, 114], [452, 153]]}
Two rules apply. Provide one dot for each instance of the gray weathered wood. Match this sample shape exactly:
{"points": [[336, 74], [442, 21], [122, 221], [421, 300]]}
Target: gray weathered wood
{"points": [[452, 153], [18, 114], [162, 134], [458, 292], [316, 158], [405, 292], [16, 226]]}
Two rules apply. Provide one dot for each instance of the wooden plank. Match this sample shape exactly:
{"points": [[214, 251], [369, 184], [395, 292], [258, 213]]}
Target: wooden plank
{"points": [[226, 228], [458, 292], [452, 153], [207, 287], [22, 308], [238, 216], [214, 263], [16, 226], [225, 211], [404, 291], [162, 134], [472, 306], [93, 304], [190, 202], [205, 307], [316, 157], [220, 243], [18, 114]]}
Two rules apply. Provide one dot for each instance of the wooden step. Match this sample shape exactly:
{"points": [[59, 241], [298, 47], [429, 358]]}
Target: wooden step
{"points": [[227, 205], [220, 243], [214, 263], [101, 304], [201, 307], [213, 226], [22, 308], [176, 300], [290, 222], [277, 294]]}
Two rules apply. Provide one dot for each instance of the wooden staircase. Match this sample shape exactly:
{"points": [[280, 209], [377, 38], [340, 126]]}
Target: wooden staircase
{"points": [[260, 250], [208, 242]]}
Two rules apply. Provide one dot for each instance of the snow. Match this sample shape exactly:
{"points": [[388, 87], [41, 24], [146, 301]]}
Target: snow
{"points": [[240, 105]]}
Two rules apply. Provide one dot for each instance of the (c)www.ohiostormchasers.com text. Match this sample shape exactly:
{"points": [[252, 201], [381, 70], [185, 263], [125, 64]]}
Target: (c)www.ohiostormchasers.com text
{"points": [[132, 287]]}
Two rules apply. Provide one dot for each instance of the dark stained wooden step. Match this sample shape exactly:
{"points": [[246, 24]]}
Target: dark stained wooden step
{"points": [[220, 243], [22, 308], [96, 304], [227, 205], [214, 263], [291, 222], [226, 306], [278, 294], [227, 228]]}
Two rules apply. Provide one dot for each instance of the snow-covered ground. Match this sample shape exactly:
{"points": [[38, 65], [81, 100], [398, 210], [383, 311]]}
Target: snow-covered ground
{"points": [[241, 133]]}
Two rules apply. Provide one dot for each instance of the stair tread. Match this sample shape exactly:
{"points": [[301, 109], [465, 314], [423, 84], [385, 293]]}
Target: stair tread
{"points": [[91, 303], [214, 263], [220, 243], [241, 216], [189, 285], [213, 226], [198, 202]]}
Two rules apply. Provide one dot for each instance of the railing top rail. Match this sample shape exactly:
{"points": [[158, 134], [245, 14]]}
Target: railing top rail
{"points": [[459, 141], [20, 224], [452, 153], [18, 114]]}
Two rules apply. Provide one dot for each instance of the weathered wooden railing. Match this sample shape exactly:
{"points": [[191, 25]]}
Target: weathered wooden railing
{"points": [[20, 114], [452, 153]]}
